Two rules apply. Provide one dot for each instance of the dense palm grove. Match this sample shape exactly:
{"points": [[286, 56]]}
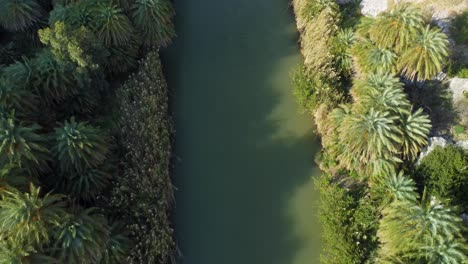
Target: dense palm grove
{"points": [[361, 79], [84, 142]]}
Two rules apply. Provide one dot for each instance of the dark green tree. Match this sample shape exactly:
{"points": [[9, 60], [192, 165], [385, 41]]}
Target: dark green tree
{"points": [[78, 146], [153, 20]]}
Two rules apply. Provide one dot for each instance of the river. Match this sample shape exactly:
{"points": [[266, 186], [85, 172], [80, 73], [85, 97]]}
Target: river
{"points": [[244, 153]]}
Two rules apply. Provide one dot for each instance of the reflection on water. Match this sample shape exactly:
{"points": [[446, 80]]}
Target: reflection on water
{"points": [[245, 154]]}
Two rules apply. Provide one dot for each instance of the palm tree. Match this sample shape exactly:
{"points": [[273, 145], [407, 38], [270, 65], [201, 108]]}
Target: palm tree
{"points": [[27, 217], [12, 251], [81, 239], [19, 15], [415, 127], [111, 25], [449, 251], [371, 58], [22, 145], [406, 225], [398, 187], [398, 28], [425, 57], [344, 40], [371, 136], [117, 246], [84, 185], [12, 176], [52, 81], [153, 19], [78, 146], [382, 92], [15, 96]]}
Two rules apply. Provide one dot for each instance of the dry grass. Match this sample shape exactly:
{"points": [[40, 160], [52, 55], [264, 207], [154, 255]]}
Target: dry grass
{"points": [[440, 8]]}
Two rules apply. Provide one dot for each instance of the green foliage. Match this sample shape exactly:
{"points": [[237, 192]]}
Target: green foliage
{"points": [[51, 80], [79, 146], [69, 45], [397, 187], [143, 194], [13, 177], [311, 91], [378, 130], [444, 173], [86, 184], [370, 58], [81, 238], [459, 30], [398, 28], [349, 223], [313, 8], [117, 246], [415, 127], [14, 96], [21, 145], [342, 45], [458, 129], [14, 252], [27, 217], [425, 58], [19, 15], [111, 25], [409, 226], [153, 20]]}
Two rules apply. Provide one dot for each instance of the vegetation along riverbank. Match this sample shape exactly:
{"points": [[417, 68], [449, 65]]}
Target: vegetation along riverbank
{"points": [[85, 132], [369, 83]]}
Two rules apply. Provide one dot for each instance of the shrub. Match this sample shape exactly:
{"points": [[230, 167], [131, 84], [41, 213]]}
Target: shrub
{"points": [[142, 194], [349, 223], [311, 91], [445, 174]]}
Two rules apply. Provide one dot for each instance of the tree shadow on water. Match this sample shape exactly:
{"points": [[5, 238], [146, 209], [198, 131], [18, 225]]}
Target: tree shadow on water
{"points": [[237, 184]]}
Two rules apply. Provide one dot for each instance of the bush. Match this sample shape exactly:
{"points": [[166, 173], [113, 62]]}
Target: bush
{"points": [[445, 174], [143, 193], [311, 91], [349, 223]]}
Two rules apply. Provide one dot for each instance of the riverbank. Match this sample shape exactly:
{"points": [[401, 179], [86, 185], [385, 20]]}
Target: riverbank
{"points": [[372, 133]]}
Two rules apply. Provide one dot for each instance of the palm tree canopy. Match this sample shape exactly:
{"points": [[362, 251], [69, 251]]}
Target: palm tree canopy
{"points": [[85, 184], [81, 238], [415, 127], [111, 25], [382, 92], [27, 217], [407, 225], [398, 187], [446, 251], [19, 15], [78, 146], [21, 144], [398, 28], [153, 18], [371, 136], [426, 56]]}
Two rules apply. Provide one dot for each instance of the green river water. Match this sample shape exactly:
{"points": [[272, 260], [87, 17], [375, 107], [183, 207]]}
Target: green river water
{"points": [[244, 153]]}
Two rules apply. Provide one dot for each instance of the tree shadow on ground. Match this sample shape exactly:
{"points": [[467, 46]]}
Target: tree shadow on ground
{"points": [[435, 98]]}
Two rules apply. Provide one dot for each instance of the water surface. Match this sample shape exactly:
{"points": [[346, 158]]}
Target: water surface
{"points": [[245, 154]]}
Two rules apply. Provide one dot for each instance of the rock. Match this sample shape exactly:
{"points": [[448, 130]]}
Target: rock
{"points": [[458, 86], [433, 142], [462, 144], [373, 7]]}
